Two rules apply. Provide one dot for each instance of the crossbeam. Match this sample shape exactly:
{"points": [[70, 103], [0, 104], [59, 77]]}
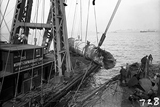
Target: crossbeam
{"points": [[34, 25]]}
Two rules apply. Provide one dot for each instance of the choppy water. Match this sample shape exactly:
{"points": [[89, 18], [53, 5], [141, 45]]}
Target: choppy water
{"points": [[129, 48]]}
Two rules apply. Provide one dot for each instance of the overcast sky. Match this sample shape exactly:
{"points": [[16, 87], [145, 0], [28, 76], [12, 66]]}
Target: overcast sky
{"points": [[131, 14]]}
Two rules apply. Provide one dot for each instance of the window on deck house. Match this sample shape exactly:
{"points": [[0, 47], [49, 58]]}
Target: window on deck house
{"points": [[38, 52]]}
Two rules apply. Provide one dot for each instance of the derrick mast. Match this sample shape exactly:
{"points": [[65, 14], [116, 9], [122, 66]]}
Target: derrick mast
{"points": [[59, 35], [55, 29], [22, 16]]}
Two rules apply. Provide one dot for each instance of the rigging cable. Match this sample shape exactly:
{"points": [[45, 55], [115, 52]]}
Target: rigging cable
{"points": [[42, 101], [95, 21], [10, 47], [34, 52], [87, 22], [17, 81], [82, 80], [4, 72], [15, 73], [42, 19], [81, 17], [7, 15], [4, 12], [18, 72], [38, 30], [35, 39], [78, 30], [32, 21], [50, 73], [71, 2], [5, 22], [6, 66], [74, 18]]}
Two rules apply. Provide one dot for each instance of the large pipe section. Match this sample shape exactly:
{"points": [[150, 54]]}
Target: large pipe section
{"points": [[90, 51]]}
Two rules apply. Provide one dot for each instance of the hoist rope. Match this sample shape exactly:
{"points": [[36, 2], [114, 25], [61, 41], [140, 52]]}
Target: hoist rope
{"points": [[32, 21], [33, 30], [71, 3], [81, 17], [96, 23], [87, 22], [35, 39], [42, 20], [34, 52], [43, 10], [74, 19], [4, 13], [78, 30]]}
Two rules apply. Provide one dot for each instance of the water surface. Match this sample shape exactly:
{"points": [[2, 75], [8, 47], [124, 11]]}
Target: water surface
{"points": [[129, 48]]}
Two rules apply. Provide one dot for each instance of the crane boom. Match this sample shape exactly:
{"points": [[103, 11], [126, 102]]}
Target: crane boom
{"points": [[109, 23]]}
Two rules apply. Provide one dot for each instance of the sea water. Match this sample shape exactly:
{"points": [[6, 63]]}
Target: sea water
{"points": [[128, 47]]}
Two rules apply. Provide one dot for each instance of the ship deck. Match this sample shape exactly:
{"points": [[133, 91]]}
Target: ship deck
{"points": [[58, 86]]}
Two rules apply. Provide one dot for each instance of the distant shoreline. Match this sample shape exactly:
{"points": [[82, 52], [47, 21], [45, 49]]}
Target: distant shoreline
{"points": [[133, 31], [145, 31]]}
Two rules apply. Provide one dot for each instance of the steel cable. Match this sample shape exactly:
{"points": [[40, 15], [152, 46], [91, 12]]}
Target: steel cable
{"points": [[4, 12]]}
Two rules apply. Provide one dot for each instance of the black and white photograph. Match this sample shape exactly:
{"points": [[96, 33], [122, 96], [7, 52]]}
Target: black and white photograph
{"points": [[79, 53]]}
